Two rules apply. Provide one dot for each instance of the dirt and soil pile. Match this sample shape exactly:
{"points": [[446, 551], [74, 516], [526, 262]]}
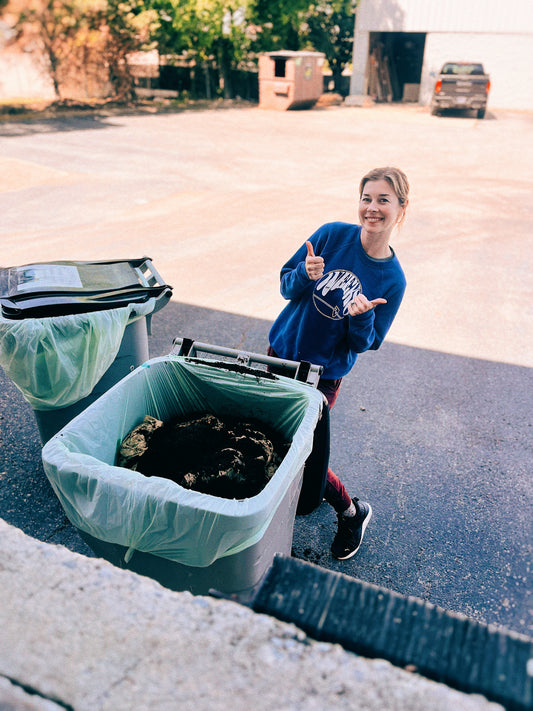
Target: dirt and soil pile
{"points": [[221, 456]]}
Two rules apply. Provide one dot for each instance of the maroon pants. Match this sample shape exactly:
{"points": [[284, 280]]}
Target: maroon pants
{"points": [[335, 492]]}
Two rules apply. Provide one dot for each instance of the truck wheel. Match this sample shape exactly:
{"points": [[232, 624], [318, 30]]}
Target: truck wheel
{"points": [[434, 111], [481, 113]]}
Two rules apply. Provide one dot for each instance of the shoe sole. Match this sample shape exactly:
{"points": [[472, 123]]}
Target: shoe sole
{"points": [[363, 529]]}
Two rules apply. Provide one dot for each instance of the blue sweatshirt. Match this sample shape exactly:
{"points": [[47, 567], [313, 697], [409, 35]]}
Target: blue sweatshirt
{"points": [[315, 325]]}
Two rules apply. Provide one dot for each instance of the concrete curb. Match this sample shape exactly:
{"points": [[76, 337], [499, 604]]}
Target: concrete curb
{"points": [[376, 622], [78, 633]]}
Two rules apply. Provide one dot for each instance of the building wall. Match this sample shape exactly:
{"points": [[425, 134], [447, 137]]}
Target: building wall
{"points": [[498, 34], [23, 77], [512, 16]]}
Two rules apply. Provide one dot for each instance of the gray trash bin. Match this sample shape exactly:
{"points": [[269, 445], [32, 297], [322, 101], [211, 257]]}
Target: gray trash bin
{"points": [[185, 539], [70, 330]]}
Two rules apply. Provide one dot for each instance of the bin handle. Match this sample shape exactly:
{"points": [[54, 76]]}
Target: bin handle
{"points": [[146, 267], [303, 371]]}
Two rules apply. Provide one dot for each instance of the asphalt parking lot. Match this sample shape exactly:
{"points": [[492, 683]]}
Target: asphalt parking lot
{"points": [[434, 429]]}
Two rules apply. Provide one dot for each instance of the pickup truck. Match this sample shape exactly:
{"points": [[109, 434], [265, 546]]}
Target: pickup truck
{"points": [[461, 85]]}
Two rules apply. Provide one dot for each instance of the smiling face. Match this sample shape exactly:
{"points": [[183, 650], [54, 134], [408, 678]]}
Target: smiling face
{"points": [[379, 209]]}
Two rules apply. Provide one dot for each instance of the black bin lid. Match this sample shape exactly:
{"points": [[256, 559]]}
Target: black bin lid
{"points": [[68, 287]]}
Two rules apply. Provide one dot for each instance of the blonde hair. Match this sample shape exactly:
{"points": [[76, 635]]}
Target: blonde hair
{"points": [[395, 177]]}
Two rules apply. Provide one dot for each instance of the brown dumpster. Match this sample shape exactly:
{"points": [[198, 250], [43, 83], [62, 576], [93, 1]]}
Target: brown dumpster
{"points": [[290, 80]]}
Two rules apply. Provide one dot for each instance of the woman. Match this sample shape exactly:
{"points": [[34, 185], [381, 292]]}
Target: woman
{"points": [[344, 288]]}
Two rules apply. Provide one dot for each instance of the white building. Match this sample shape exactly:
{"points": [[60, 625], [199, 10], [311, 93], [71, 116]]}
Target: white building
{"points": [[408, 41]]}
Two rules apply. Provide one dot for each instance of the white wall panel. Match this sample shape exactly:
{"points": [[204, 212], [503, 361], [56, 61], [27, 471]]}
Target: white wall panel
{"points": [[22, 76], [446, 16]]}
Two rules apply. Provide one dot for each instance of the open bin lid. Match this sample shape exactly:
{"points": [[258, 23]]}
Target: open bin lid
{"points": [[68, 287]]}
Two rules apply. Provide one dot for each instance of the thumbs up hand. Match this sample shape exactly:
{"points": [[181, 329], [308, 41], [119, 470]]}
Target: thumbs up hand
{"points": [[314, 266]]}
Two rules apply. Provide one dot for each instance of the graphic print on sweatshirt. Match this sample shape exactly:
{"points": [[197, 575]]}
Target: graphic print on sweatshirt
{"points": [[334, 291]]}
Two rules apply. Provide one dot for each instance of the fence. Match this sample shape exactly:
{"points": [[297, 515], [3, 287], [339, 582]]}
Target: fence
{"points": [[205, 82]]}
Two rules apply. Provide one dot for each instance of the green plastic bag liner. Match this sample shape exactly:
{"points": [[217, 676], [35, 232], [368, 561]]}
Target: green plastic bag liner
{"points": [[57, 361], [70, 330]]}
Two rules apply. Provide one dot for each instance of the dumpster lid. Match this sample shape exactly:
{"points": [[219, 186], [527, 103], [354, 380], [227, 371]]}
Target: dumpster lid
{"points": [[69, 287], [291, 53]]}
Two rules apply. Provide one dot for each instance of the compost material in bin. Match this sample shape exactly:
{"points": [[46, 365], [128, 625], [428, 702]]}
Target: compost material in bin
{"points": [[221, 456]]}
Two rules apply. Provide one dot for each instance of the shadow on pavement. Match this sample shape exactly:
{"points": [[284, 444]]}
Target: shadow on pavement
{"points": [[21, 121], [33, 125], [439, 444]]}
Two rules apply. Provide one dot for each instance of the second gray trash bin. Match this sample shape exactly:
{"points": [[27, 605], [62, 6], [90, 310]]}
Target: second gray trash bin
{"points": [[71, 330]]}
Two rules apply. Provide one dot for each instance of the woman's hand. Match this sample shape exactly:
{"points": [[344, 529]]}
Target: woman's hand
{"points": [[314, 266], [361, 305]]}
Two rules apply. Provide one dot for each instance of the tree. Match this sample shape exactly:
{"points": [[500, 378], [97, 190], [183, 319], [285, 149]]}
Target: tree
{"points": [[57, 24], [125, 26], [281, 23], [96, 36], [208, 32], [330, 30], [82, 37], [325, 26]]}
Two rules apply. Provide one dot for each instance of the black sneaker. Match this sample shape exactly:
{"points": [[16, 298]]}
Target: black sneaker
{"points": [[351, 530]]}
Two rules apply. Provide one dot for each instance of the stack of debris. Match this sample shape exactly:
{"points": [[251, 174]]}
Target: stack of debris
{"points": [[382, 82]]}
